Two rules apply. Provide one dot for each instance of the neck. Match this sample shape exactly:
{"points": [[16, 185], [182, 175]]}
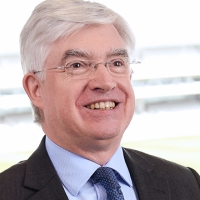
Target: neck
{"points": [[99, 152], [98, 155]]}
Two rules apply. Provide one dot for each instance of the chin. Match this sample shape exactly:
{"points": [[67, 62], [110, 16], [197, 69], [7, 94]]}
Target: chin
{"points": [[106, 134]]}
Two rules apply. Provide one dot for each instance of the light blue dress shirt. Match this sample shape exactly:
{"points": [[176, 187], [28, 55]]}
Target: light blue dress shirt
{"points": [[75, 171]]}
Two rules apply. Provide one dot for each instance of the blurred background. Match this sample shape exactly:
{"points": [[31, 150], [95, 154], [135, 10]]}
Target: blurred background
{"points": [[166, 83]]}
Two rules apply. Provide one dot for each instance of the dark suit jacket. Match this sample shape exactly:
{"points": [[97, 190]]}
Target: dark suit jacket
{"points": [[154, 179]]}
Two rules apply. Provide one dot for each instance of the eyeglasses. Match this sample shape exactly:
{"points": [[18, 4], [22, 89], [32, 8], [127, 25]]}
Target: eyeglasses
{"points": [[81, 69]]}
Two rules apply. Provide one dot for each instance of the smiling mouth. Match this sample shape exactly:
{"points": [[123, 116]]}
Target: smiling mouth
{"points": [[108, 105]]}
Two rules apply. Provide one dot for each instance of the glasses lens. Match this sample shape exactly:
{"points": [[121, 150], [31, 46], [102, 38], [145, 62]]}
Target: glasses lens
{"points": [[119, 66], [78, 69]]}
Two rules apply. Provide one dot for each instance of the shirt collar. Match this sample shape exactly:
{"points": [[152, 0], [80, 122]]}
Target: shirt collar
{"points": [[118, 163], [81, 169]]}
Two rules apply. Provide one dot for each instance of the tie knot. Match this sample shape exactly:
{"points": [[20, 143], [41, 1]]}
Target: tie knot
{"points": [[104, 173], [106, 177]]}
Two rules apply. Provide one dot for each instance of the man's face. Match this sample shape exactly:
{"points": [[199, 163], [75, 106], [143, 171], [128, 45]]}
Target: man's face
{"points": [[66, 102]]}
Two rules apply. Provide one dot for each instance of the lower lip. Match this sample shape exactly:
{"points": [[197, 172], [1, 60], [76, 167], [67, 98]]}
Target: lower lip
{"points": [[102, 109]]}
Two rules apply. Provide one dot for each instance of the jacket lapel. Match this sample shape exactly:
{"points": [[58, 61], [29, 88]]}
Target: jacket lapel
{"points": [[51, 190], [149, 185], [42, 177]]}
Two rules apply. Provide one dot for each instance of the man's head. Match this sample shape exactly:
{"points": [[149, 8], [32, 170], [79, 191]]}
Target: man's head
{"points": [[55, 19], [64, 33]]}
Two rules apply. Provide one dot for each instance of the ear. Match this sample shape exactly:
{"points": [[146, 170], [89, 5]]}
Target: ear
{"points": [[32, 86]]}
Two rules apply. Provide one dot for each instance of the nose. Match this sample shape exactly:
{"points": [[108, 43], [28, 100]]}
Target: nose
{"points": [[102, 80]]}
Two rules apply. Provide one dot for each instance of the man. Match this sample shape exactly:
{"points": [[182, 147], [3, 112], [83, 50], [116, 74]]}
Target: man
{"points": [[76, 59]]}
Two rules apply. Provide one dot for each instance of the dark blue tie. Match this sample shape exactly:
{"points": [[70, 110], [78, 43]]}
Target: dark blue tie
{"points": [[106, 177]]}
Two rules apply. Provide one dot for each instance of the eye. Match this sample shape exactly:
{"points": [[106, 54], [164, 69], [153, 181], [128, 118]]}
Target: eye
{"points": [[77, 65], [117, 63]]}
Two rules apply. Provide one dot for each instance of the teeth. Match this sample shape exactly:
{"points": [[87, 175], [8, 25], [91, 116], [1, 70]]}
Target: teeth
{"points": [[108, 105]]}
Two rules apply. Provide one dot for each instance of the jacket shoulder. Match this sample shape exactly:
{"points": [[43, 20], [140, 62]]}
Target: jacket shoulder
{"points": [[161, 166], [157, 178], [15, 172], [12, 182]]}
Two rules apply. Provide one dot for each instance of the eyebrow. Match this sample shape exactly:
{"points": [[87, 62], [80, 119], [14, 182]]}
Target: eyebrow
{"points": [[117, 52], [83, 54], [74, 53]]}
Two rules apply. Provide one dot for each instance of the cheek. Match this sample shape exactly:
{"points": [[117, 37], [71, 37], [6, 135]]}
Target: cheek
{"points": [[66, 97], [128, 89], [130, 97], [132, 94]]}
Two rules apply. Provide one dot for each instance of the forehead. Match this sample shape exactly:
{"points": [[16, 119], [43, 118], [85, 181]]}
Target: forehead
{"points": [[96, 41]]}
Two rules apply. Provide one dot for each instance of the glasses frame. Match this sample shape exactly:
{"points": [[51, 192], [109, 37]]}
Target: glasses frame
{"points": [[93, 66]]}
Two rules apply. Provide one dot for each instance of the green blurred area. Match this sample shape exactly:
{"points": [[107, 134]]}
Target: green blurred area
{"points": [[184, 150], [11, 158]]}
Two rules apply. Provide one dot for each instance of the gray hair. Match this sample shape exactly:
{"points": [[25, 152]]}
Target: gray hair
{"points": [[54, 19]]}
